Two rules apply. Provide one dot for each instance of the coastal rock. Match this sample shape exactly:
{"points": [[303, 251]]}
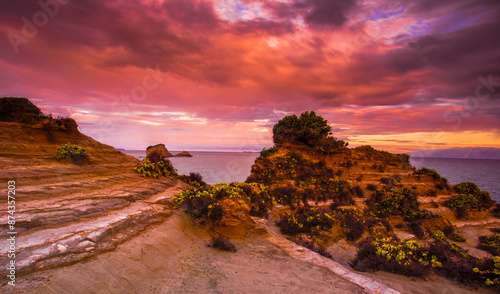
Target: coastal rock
{"points": [[66, 213], [184, 154], [160, 148]]}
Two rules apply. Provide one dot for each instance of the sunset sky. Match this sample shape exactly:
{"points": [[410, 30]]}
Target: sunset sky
{"points": [[217, 75]]}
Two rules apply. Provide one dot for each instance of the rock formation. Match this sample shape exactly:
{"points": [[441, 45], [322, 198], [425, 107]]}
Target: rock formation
{"points": [[183, 154], [65, 213], [160, 148]]}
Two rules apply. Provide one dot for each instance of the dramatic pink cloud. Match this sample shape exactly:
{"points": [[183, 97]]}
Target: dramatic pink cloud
{"points": [[217, 74]]}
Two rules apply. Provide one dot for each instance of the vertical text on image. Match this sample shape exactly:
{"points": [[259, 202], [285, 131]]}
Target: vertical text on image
{"points": [[11, 241]]}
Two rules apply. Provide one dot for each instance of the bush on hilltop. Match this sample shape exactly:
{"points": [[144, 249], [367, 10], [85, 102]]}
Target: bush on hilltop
{"points": [[308, 129]]}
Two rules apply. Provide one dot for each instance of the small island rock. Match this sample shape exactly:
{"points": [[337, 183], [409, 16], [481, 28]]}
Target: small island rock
{"points": [[184, 154]]}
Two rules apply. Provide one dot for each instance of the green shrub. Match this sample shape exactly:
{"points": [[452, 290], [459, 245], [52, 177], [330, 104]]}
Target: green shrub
{"points": [[338, 190], [268, 152], [313, 221], [405, 257], [194, 179], [458, 238], [154, 156], [354, 223], [308, 129], [13, 109], [203, 202], [470, 197], [432, 173], [438, 235], [155, 169], [73, 153], [409, 258], [490, 243], [307, 220], [384, 203]]}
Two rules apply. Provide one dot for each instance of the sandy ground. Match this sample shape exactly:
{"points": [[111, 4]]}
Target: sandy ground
{"points": [[173, 258]]}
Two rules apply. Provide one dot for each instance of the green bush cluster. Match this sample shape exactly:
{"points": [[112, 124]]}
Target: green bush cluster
{"points": [[204, 203], [21, 110], [410, 258], [306, 180], [405, 257], [315, 221], [397, 201], [194, 179], [155, 169], [308, 129], [469, 197], [432, 173], [490, 243], [73, 153], [13, 109], [268, 152], [310, 221]]}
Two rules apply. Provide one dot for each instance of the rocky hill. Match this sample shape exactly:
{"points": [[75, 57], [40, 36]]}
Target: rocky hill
{"points": [[66, 212], [367, 209]]}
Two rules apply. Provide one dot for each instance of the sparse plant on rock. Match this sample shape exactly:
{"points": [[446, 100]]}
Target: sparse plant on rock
{"points": [[73, 153], [222, 243]]}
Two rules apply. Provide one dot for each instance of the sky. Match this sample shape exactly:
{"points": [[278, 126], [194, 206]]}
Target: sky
{"points": [[401, 75]]}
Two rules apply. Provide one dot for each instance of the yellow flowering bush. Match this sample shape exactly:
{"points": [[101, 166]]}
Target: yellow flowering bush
{"points": [[148, 168]]}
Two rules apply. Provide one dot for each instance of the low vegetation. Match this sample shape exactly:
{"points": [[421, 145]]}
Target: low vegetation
{"points": [[469, 197], [410, 258], [73, 153], [162, 167], [221, 243], [433, 174], [316, 221], [194, 179], [210, 203], [21, 110], [490, 243]]}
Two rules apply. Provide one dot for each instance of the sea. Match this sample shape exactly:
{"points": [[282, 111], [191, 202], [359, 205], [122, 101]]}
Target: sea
{"points": [[227, 167], [484, 172], [214, 167]]}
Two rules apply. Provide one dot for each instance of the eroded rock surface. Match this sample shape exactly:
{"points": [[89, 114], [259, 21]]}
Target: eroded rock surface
{"points": [[65, 213]]}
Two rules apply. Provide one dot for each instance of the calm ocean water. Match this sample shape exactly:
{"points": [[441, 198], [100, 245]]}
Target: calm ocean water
{"points": [[484, 172], [226, 167], [215, 167]]}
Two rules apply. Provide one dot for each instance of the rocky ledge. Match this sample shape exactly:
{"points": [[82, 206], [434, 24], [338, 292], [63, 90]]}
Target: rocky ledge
{"points": [[65, 213]]}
